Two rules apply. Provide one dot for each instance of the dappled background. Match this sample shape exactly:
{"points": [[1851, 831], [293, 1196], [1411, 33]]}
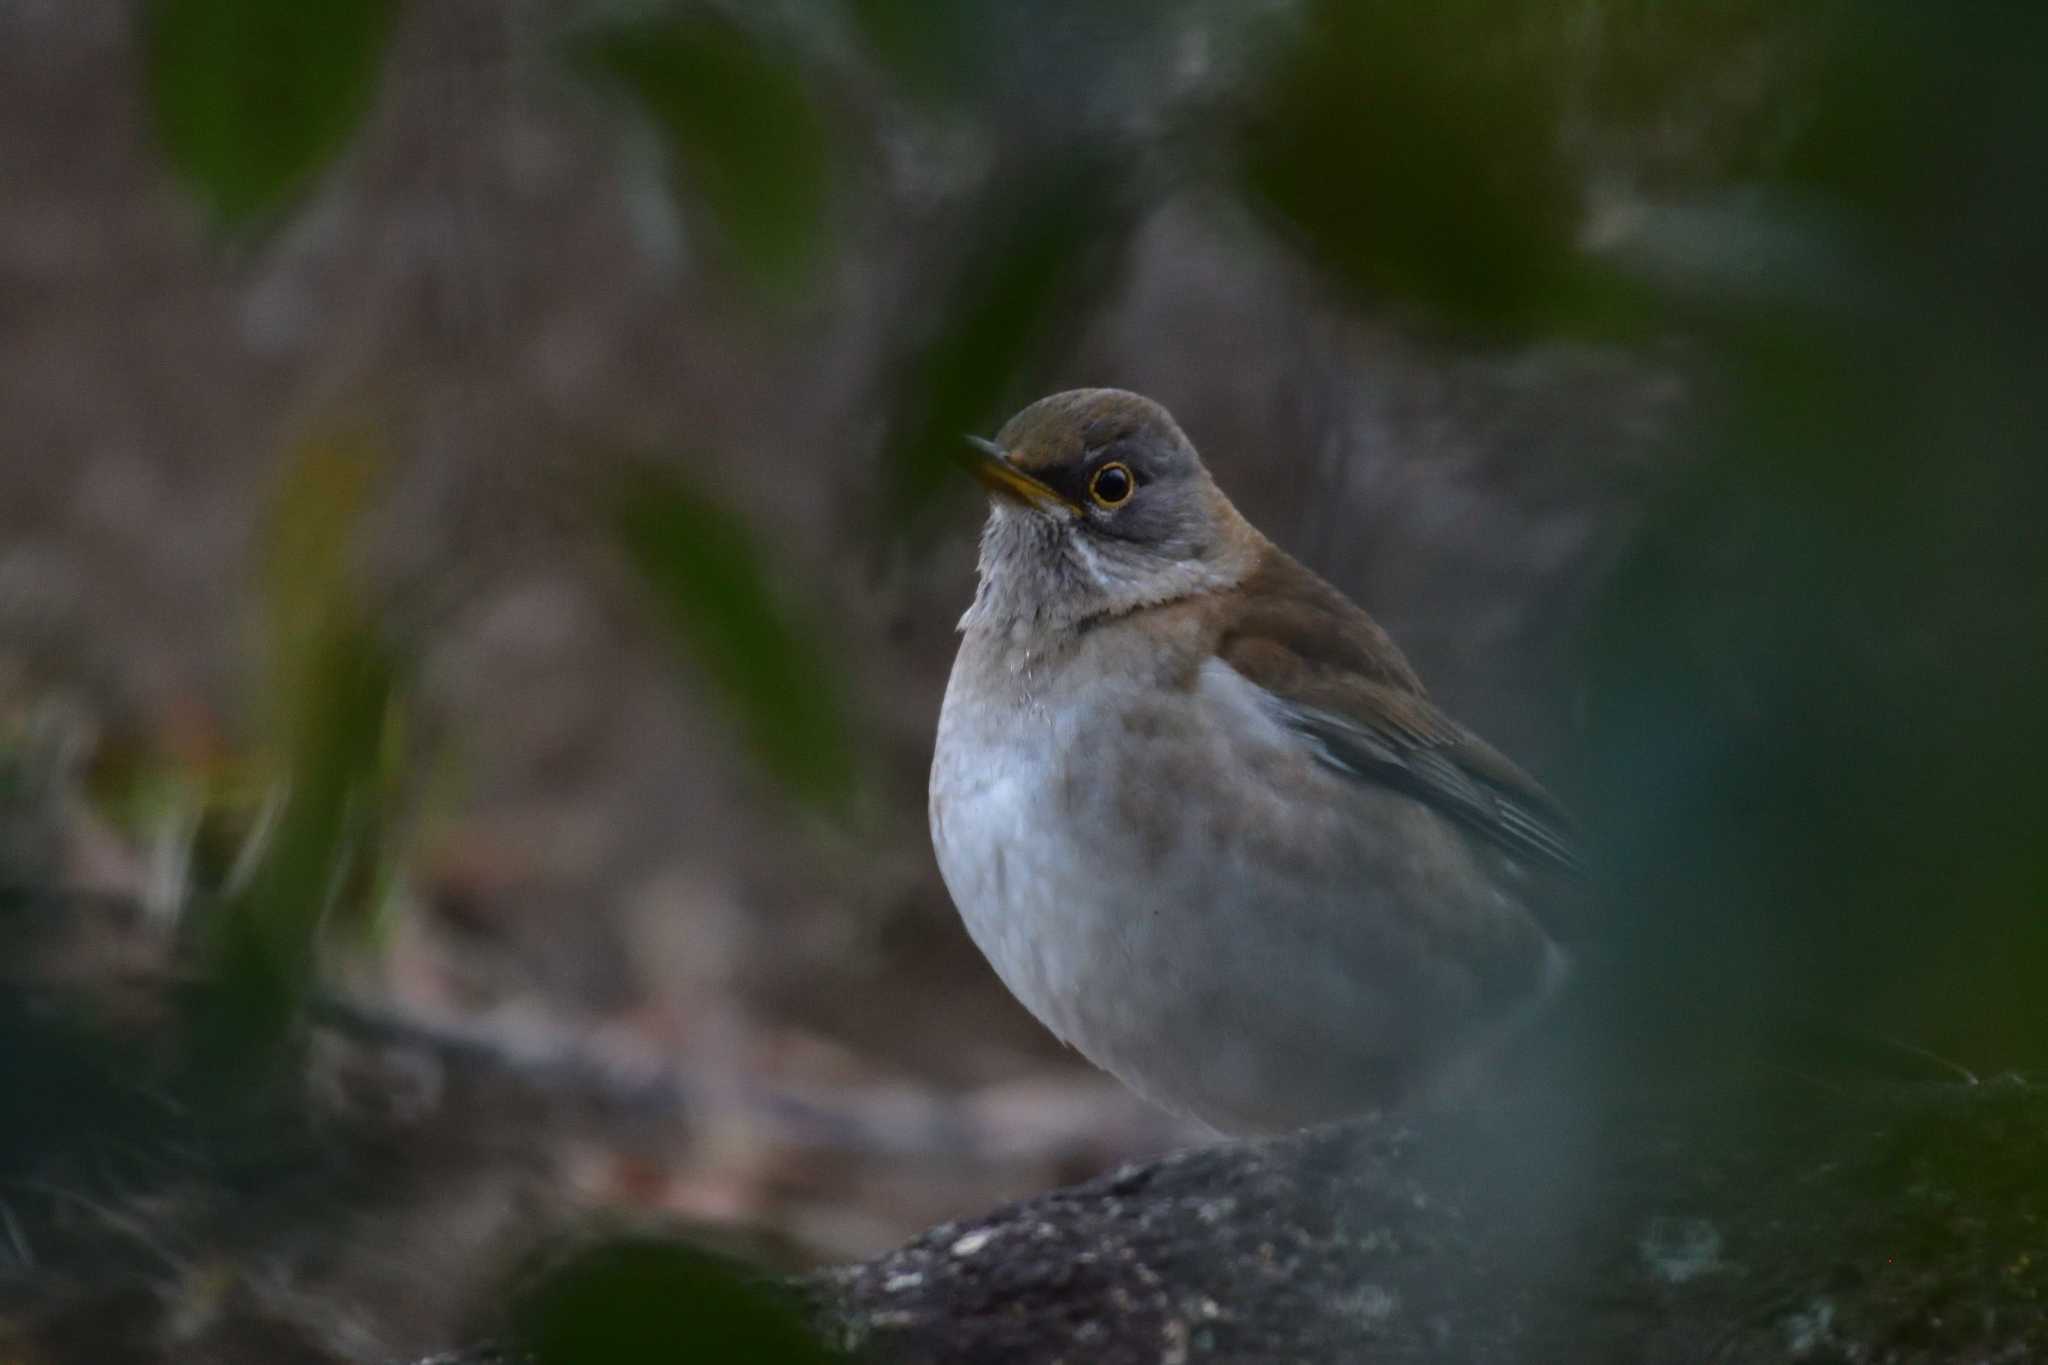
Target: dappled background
{"points": [[479, 547]]}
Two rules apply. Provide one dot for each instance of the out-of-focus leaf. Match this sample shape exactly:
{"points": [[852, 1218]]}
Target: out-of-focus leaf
{"points": [[1675, 82], [633, 1301], [334, 690], [1898, 90], [714, 592], [1046, 244], [1814, 729], [1414, 151], [322, 848], [742, 127], [926, 44], [313, 520], [252, 98], [1814, 703]]}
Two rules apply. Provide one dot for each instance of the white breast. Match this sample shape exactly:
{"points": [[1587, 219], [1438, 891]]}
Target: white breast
{"points": [[1168, 881], [1003, 846]]}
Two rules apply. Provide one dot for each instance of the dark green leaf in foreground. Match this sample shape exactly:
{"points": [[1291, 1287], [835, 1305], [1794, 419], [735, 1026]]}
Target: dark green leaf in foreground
{"points": [[1815, 732], [933, 47], [636, 1301], [252, 98], [1413, 151], [741, 126], [713, 590]]}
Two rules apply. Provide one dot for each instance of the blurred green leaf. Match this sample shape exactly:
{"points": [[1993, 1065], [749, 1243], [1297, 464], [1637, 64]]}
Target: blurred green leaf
{"points": [[1897, 92], [739, 121], [252, 98], [321, 849], [1414, 150], [771, 668], [307, 539], [1814, 688], [931, 46], [1811, 755], [1676, 82], [334, 690], [1046, 243], [641, 1300]]}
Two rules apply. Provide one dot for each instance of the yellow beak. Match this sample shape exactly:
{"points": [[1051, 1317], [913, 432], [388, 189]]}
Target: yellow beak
{"points": [[999, 475]]}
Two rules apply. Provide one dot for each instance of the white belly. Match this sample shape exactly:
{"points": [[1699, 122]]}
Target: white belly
{"points": [[1232, 931], [1007, 855]]}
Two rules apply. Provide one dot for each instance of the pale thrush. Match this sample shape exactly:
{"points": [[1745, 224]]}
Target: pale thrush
{"points": [[1196, 808]]}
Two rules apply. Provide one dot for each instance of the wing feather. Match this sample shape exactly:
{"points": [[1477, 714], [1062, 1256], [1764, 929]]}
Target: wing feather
{"points": [[1336, 678]]}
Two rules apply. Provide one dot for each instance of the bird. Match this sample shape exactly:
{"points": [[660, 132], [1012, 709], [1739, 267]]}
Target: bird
{"points": [[1198, 811]]}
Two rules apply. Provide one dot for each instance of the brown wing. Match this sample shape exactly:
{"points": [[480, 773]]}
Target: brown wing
{"points": [[1335, 676]]}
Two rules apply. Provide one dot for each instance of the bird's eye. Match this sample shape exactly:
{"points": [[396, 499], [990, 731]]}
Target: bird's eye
{"points": [[1112, 484]]}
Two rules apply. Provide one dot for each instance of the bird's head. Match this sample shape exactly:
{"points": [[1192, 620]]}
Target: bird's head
{"points": [[1099, 506]]}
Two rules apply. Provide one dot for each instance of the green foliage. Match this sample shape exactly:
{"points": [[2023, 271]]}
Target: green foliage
{"points": [[1903, 90], [322, 847], [741, 125], [930, 46], [336, 692], [253, 98], [638, 1300], [767, 662], [1045, 245], [1414, 151], [1815, 731]]}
